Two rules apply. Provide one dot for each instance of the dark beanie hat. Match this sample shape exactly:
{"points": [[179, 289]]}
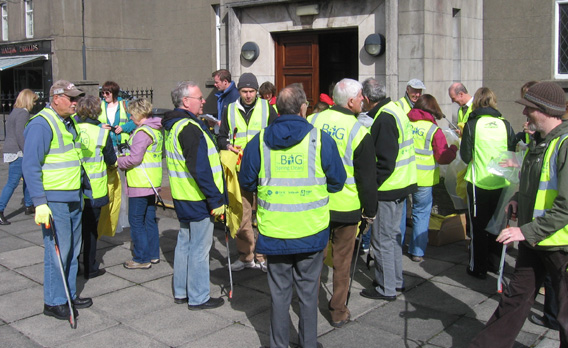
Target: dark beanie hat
{"points": [[248, 80], [547, 97]]}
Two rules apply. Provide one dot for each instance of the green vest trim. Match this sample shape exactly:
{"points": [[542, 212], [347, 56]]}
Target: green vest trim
{"points": [[123, 118], [405, 168], [548, 190], [462, 119], [183, 185], [338, 125], [93, 139], [428, 171], [292, 191], [150, 169], [61, 170], [258, 121], [490, 141]]}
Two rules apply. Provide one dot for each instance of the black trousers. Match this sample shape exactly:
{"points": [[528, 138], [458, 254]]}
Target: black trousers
{"points": [[484, 250], [531, 268], [90, 235]]}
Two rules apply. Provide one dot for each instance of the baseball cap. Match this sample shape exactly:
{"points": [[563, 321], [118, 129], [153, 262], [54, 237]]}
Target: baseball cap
{"points": [[65, 87]]}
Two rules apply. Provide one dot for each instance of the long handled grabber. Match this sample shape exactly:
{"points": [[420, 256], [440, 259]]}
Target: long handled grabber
{"points": [[224, 217], [160, 200], [72, 319], [500, 280], [362, 231]]}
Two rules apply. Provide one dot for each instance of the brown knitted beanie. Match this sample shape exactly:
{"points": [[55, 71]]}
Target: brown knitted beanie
{"points": [[548, 97]]}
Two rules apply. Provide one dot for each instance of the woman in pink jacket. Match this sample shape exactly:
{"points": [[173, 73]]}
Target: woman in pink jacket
{"points": [[431, 150]]}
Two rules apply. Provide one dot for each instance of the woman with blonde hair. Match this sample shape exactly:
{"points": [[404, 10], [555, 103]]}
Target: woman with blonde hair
{"points": [[485, 136], [14, 151]]}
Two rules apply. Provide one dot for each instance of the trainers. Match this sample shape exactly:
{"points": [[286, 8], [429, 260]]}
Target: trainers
{"points": [[155, 261], [240, 265], [263, 266], [135, 265]]}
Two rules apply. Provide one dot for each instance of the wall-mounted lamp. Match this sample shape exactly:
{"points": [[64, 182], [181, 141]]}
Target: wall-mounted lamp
{"points": [[307, 10], [250, 51], [375, 45]]}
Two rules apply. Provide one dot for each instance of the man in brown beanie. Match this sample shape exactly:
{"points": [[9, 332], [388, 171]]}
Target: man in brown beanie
{"points": [[541, 205], [240, 122]]}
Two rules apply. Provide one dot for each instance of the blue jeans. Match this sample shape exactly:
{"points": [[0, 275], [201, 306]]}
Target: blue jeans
{"points": [[144, 228], [421, 209], [67, 224], [403, 223], [191, 261], [14, 175]]}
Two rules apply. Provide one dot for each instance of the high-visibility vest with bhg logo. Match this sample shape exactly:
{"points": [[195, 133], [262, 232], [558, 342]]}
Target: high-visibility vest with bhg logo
{"points": [[292, 191]]}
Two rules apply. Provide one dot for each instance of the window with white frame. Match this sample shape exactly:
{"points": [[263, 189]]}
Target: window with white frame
{"points": [[4, 8], [29, 19], [561, 40]]}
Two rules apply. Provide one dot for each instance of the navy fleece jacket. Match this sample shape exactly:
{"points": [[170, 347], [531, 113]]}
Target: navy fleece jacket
{"points": [[287, 131]]}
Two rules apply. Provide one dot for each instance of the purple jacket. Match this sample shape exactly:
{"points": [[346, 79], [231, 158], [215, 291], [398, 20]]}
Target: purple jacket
{"points": [[139, 144]]}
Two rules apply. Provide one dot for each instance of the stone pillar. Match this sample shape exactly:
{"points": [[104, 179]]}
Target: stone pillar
{"points": [[391, 49]]}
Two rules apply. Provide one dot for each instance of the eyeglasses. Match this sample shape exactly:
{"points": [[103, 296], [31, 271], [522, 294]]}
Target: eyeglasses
{"points": [[71, 99], [107, 92], [198, 98]]}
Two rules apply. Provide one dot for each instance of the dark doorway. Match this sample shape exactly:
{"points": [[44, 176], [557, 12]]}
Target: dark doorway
{"points": [[339, 57]]}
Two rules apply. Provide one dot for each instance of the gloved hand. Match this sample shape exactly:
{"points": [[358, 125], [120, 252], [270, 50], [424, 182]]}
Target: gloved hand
{"points": [[42, 215], [218, 212], [368, 219]]}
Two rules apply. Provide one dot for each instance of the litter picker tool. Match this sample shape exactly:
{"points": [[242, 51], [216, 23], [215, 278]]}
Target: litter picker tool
{"points": [[160, 201], [362, 230], [224, 217], [453, 126], [72, 319], [500, 280]]}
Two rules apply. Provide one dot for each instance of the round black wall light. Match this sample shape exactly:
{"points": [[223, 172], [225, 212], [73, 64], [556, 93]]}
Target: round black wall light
{"points": [[375, 45], [250, 51]]}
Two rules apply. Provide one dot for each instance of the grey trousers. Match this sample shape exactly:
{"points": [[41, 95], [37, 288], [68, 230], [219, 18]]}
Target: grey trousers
{"points": [[387, 249], [302, 271]]}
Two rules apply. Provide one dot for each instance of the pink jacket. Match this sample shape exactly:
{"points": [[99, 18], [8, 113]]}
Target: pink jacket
{"points": [[442, 153]]}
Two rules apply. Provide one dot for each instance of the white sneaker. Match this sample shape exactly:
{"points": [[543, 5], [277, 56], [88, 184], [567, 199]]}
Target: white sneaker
{"points": [[263, 266], [240, 265]]}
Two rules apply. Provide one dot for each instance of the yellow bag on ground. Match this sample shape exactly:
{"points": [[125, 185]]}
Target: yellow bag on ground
{"points": [[111, 211], [234, 212]]}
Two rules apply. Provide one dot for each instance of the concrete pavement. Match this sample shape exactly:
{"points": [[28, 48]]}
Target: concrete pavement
{"points": [[441, 307]]}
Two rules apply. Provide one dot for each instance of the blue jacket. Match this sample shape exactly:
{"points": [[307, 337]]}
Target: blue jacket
{"points": [[284, 132], [194, 148], [37, 143], [226, 97]]}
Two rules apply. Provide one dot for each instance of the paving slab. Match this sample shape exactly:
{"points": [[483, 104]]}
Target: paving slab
{"points": [[33, 272], [13, 338], [11, 281], [135, 301], [115, 336], [11, 243], [357, 334], [21, 304], [22, 257], [177, 325], [231, 336]]}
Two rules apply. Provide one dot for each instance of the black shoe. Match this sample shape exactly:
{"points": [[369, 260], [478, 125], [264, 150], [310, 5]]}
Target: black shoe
{"points": [[180, 300], [401, 289], [339, 324], [375, 295], [477, 275], [213, 302], [94, 274], [81, 303], [60, 312], [3, 220], [541, 321], [29, 210]]}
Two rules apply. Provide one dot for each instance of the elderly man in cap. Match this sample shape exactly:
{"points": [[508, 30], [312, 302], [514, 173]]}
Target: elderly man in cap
{"points": [[53, 174], [542, 211], [414, 89], [240, 122]]}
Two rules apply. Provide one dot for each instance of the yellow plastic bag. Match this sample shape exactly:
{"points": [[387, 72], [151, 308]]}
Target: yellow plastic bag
{"points": [[234, 212], [461, 185], [111, 211]]}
